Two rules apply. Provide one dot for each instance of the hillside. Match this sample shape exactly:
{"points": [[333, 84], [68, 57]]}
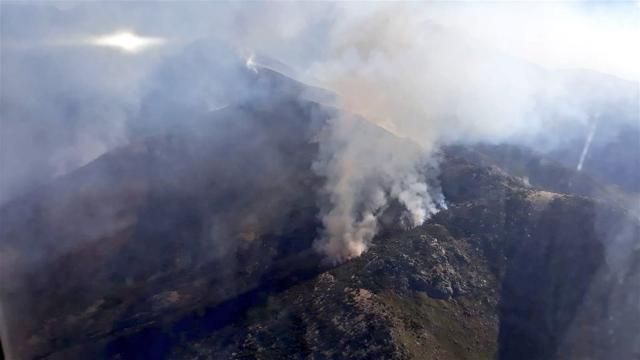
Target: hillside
{"points": [[196, 242]]}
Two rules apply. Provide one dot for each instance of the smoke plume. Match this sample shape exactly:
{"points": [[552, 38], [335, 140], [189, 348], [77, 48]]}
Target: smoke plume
{"points": [[425, 75], [365, 167], [429, 86]]}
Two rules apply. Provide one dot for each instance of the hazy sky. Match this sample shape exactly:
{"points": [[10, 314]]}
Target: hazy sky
{"points": [[599, 35], [73, 74], [602, 36]]}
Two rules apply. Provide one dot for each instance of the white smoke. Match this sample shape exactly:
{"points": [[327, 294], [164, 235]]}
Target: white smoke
{"points": [[417, 71], [429, 86], [398, 76], [412, 191], [366, 167]]}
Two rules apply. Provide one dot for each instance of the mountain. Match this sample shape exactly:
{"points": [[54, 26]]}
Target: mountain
{"points": [[222, 203], [611, 121], [612, 160], [197, 242], [507, 271]]}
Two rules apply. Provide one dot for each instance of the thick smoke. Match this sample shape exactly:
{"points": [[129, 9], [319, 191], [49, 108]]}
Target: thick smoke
{"points": [[412, 70], [430, 86], [365, 167]]}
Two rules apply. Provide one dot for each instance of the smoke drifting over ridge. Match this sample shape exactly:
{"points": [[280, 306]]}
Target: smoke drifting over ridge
{"points": [[365, 168], [399, 66]]}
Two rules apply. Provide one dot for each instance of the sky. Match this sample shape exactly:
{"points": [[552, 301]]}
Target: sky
{"points": [[601, 36], [73, 74], [595, 35]]}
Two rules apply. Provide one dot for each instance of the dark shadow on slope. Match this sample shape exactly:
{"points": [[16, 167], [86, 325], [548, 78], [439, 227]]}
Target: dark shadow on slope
{"points": [[547, 277], [157, 341]]}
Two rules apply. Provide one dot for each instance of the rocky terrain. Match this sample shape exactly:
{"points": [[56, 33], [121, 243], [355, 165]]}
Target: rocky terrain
{"points": [[508, 271], [189, 244]]}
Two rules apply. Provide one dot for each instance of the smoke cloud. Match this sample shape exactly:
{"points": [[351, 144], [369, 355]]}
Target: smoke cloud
{"points": [[425, 75], [365, 167], [431, 86]]}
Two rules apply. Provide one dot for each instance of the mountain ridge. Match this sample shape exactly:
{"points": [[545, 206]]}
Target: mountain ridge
{"points": [[206, 250]]}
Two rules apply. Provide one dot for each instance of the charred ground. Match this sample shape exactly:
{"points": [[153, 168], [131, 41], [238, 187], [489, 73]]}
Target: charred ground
{"points": [[196, 242]]}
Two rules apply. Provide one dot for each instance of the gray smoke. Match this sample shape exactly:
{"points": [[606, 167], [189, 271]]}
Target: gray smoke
{"points": [[412, 70], [365, 168], [430, 86]]}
